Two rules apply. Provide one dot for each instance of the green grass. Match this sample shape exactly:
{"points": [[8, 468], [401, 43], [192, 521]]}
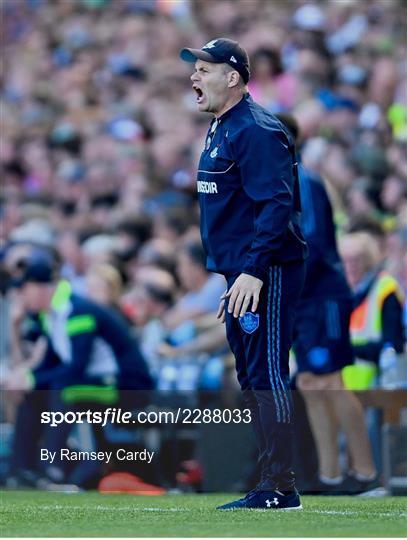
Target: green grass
{"points": [[33, 513]]}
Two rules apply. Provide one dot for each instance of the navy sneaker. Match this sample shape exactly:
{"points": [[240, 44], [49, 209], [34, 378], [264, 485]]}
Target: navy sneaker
{"points": [[349, 486], [266, 500], [354, 486]]}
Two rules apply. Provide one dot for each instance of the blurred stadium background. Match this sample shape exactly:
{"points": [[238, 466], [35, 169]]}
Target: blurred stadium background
{"points": [[100, 141]]}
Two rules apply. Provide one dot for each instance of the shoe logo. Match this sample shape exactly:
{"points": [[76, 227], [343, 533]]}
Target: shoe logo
{"points": [[274, 501], [249, 322]]}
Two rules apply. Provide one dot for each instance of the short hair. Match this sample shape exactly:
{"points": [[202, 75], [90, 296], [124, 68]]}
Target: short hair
{"points": [[365, 243], [365, 223], [138, 227], [178, 218], [157, 252], [227, 68], [273, 57], [158, 283], [159, 293]]}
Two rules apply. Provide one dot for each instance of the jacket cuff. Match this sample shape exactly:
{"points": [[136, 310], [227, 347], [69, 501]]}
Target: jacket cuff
{"points": [[256, 271]]}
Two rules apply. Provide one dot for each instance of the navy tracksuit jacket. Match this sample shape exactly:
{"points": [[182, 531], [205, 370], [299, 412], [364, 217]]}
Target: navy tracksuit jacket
{"points": [[322, 342], [325, 275], [250, 213], [249, 193]]}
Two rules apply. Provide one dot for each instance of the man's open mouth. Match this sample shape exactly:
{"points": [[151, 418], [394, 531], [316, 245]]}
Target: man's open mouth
{"points": [[199, 94]]}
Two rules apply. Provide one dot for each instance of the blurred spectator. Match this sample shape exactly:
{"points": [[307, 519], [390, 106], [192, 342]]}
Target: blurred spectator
{"points": [[156, 252], [202, 289], [146, 305], [86, 346], [105, 286], [130, 235], [269, 85], [377, 315], [172, 223], [200, 296], [393, 191]]}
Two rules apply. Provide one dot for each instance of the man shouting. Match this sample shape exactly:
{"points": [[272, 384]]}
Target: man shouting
{"points": [[250, 208]]}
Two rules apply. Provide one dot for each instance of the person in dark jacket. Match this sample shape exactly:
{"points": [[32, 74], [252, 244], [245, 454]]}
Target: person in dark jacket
{"points": [[377, 316], [322, 343], [250, 211], [90, 354]]}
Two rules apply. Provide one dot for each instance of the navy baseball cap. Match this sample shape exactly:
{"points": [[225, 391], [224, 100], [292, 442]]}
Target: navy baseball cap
{"points": [[221, 51], [38, 267]]}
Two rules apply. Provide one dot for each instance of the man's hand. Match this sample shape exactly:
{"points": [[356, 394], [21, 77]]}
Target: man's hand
{"points": [[17, 310], [19, 379], [221, 310], [244, 290]]}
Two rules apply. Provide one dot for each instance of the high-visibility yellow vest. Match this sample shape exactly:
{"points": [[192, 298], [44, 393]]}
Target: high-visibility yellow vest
{"points": [[366, 320], [366, 327]]}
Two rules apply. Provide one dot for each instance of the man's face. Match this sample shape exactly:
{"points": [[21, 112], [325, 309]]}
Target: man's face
{"points": [[34, 297], [355, 264], [210, 82], [140, 305]]}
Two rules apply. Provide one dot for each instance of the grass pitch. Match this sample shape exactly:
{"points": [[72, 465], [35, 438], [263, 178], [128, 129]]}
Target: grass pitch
{"points": [[33, 513]]}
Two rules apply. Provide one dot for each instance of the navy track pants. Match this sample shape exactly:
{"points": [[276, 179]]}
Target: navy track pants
{"points": [[261, 343]]}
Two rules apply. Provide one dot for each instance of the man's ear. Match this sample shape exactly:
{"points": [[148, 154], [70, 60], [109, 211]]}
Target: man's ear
{"points": [[233, 79]]}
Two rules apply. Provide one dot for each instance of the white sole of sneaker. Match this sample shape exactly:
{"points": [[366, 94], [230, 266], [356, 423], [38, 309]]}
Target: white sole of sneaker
{"points": [[292, 508], [266, 509], [299, 507]]}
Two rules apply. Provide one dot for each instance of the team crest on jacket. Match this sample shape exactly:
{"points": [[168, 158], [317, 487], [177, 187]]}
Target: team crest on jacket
{"points": [[249, 322]]}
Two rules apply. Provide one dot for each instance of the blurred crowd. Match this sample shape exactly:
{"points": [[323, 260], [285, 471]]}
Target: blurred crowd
{"points": [[101, 138]]}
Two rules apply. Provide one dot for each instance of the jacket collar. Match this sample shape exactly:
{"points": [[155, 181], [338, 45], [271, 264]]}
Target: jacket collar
{"points": [[247, 98]]}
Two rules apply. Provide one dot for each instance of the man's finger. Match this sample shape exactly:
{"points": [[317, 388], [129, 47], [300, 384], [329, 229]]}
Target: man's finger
{"points": [[229, 292], [224, 294], [232, 300], [221, 309], [240, 298], [255, 304], [245, 305]]}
